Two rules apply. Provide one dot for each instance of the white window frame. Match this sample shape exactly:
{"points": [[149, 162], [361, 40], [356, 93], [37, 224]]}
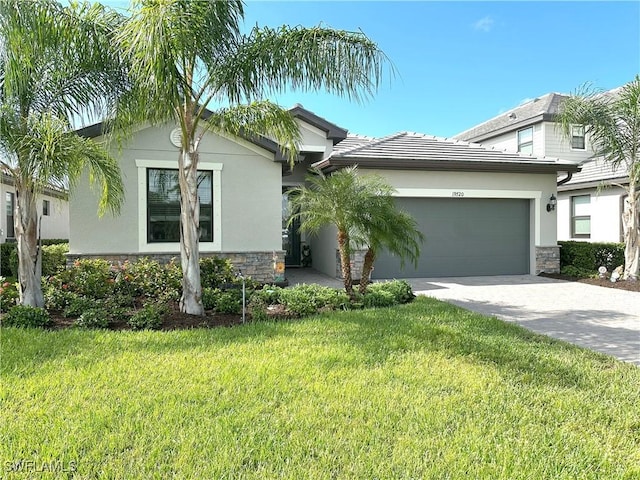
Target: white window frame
{"points": [[583, 136], [169, 247], [573, 216], [527, 143]]}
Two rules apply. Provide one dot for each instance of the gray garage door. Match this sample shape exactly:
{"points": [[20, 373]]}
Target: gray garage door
{"points": [[465, 237]]}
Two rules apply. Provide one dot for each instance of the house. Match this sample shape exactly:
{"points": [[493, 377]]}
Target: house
{"points": [[589, 203], [483, 210], [53, 212]]}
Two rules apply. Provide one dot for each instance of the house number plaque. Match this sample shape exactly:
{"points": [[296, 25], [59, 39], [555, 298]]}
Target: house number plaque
{"points": [[457, 194]]}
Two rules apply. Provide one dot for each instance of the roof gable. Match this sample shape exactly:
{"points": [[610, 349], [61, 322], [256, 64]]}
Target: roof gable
{"points": [[539, 109]]}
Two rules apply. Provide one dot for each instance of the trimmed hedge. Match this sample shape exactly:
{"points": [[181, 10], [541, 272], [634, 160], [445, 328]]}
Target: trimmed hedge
{"points": [[589, 256], [9, 257]]}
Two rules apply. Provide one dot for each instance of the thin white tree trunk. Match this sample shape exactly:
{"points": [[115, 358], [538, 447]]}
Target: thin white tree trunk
{"points": [[631, 233], [191, 300], [29, 255]]}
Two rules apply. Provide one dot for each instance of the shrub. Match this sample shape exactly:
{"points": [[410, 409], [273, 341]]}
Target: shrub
{"points": [[258, 308], [8, 295], [77, 305], [148, 278], [222, 301], [304, 300], [215, 272], [590, 256], [6, 267], [54, 258], [576, 272], [94, 318], [26, 316], [378, 298], [55, 296], [400, 290], [90, 278], [148, 317]]}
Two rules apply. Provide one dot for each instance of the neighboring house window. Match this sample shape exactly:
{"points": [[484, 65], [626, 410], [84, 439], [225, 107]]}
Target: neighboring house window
{"points": [[45, 208], [525, 140], [10, 206], [581, 216], [163, 205], [577, 137]]}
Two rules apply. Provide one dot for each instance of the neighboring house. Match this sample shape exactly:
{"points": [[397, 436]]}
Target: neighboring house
{"points": [[53, 212], [483, 210], [589, 203]]}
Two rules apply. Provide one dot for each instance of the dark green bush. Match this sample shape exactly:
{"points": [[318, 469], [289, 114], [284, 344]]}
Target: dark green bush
{"points": [[222, 301], [25, 316], [215, 272], [148, 317], [54, 259], [94, 318], [589, 256], [6, 268], [400, 290], [576, 272], [77, 305], [378, 298]]}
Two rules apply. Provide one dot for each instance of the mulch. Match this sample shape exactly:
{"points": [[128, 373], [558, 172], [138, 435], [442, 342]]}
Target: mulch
{"points": [[601, 282], [174, 320]]}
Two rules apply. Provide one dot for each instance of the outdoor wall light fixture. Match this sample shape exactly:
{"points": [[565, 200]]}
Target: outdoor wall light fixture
{"points": [[551, 206]]}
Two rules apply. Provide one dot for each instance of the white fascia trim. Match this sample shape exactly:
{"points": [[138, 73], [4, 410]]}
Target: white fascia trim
{"points": [[535, 195], [171, 247]]}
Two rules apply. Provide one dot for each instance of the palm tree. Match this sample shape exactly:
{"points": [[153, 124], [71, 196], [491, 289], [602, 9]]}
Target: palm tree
{"points": [[54, 67], [386, 227], [362, 209], [612, 121], [184, 55]]}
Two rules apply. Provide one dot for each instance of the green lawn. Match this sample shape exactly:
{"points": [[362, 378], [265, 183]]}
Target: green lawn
{"points": [[426, 390]]}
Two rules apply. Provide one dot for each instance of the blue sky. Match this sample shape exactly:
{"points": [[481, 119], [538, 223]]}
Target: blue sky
{"points": [[461, 63]]}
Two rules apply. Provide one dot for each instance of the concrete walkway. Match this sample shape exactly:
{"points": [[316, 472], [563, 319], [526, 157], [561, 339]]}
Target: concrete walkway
{"points": [[599, 318]]}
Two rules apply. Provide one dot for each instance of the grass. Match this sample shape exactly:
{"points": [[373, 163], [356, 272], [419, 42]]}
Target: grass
{"points": [[426, 390]]}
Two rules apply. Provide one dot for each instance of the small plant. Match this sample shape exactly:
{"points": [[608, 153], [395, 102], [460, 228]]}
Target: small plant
{"points": [[215, 272], [93, 318], [400, 290], [576, 272], [78, 305], [378, 298], [26, 316], [148, 317], [148, 278], [8, 294]]}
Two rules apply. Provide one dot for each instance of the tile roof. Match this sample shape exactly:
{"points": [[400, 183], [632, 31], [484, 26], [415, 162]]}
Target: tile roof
{"points": [[415, 150], [541, 108], [352, 140]]}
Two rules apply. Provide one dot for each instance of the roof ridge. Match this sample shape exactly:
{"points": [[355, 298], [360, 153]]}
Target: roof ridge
{"points": [[375, 141], [512, 110]]}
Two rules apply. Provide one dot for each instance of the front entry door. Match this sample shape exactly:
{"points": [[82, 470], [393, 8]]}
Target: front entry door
{"points": [[290, 235]]}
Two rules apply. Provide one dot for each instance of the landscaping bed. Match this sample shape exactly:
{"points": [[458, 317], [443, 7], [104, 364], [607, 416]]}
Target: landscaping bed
{"points": [[601, 282]]}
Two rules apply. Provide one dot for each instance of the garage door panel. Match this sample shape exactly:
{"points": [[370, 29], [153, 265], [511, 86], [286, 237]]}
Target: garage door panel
{"points": [[465, 237]]}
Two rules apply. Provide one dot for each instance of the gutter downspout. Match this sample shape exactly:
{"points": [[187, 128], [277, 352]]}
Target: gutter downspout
{"points": [[566, 179]]}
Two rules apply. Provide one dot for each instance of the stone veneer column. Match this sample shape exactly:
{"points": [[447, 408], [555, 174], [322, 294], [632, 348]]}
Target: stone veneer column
{"points": [[548, 259], [357, 260]]}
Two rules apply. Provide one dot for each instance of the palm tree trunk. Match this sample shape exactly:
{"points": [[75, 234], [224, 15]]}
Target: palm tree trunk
{"points": [[29, 257], [367, 268], [345, 261], [631, 233], [191, 300]]}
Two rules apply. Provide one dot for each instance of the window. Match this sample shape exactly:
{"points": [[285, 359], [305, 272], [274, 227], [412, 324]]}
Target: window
{"points": [[10, 208], [46, 208], [577, 137], [525, 140], [163, 205], [581, 216]]}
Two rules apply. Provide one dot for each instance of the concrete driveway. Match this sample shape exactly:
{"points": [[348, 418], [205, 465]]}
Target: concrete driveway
{"points": [[599, 318]]}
